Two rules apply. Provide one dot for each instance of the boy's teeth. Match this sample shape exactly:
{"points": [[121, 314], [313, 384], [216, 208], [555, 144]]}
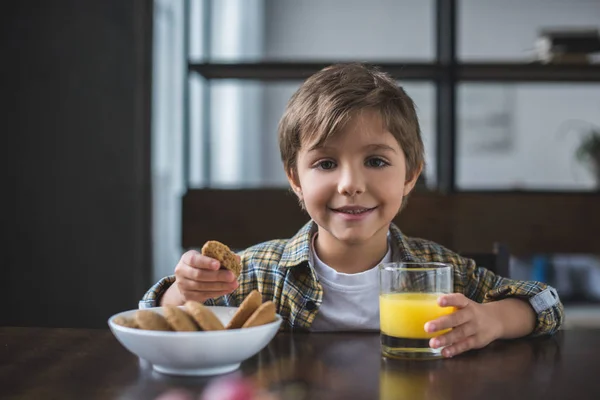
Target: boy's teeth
{"points": [[354, 211]]}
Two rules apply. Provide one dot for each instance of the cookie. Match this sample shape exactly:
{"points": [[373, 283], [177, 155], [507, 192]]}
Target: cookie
{"points": [[179, 320], [151, 320], [126, 322], [224, 255], [246, 309], [263, 315], [206, 319]]}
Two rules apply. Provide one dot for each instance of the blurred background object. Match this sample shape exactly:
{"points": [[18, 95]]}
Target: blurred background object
{"points": [[565, 45], [588, 152]]}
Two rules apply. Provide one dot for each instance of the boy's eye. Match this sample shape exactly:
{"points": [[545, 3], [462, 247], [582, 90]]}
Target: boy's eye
{"points": [[326, 164], [376, 162]]}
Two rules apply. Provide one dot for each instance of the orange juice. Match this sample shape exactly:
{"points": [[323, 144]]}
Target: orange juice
{"points": [[403, 315]]}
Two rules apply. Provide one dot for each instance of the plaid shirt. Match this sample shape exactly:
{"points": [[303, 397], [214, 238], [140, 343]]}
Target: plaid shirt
{"points": [[281, 271]]}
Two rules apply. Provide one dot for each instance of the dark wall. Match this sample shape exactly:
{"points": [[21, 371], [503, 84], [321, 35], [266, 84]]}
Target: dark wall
{"points": [[528, 223], [75, 160]]}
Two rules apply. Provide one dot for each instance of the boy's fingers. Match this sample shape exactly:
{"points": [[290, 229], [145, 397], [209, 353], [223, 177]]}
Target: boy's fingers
{"points": [[204, 275], [455, 335], [458, 300], [195, 259], [460, 347], [194, 286], [447, 321], [190, 257]]}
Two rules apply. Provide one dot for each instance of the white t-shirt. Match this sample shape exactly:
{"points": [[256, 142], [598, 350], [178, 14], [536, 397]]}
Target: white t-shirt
{"points": [[350, 301]]}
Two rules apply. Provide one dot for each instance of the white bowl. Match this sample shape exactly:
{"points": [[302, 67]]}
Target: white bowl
{"points": [[195, 353]]}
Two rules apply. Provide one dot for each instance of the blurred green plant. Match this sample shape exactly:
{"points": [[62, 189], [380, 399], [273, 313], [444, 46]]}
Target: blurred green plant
{"points": [[589, 148], [588, 152]]}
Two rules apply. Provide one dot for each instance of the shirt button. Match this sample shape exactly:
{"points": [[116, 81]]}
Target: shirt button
{"points": [[310, 305]]}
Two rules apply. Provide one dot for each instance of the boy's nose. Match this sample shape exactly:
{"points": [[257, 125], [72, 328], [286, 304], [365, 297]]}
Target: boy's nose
{"points": [[351, 183]]}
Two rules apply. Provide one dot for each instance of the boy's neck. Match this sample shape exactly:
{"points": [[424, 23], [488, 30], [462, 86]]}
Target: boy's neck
{"points": [[351, 258]]}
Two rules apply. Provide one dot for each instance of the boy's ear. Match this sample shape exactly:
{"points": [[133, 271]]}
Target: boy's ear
{"points": [[412, 181], [294, 182]]}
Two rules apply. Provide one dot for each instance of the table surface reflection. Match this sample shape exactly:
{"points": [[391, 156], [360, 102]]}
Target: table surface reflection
{"points": [[38, 363]]}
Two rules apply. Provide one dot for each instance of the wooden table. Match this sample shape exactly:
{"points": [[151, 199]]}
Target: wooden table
{"points": [[38, 363]]}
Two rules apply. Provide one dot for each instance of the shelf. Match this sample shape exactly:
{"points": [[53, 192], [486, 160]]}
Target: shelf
{"points": [[481, 72], [534, 72], [276, 71]]}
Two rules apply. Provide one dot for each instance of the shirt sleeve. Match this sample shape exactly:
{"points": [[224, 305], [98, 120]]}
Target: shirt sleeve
{"points": [[155, 293], [483, 286]]}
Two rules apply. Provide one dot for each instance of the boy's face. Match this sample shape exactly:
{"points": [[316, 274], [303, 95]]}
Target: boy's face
{"points": [[353, 185]]}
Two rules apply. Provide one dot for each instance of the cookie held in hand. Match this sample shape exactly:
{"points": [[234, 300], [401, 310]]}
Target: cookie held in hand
{"points": [[224, 255]]}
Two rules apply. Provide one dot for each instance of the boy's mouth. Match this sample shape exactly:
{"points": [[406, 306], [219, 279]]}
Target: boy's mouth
{"points": [[353, 210]]}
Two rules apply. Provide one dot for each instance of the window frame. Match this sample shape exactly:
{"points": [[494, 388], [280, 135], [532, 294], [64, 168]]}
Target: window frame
{"points": [[446, 73]]}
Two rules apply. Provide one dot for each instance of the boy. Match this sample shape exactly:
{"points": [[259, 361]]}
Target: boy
{"points": [[351, 147]]}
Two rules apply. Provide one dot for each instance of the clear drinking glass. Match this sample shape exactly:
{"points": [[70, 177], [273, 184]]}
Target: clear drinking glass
{"points": [[408, 294]]}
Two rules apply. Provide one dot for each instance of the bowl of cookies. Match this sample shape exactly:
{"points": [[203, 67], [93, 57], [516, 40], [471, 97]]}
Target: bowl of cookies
{"points": [[195, 339]]}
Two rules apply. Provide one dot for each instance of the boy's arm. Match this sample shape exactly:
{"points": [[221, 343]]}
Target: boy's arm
{"points": [[483, 286], [516, 317], [155, 293]]}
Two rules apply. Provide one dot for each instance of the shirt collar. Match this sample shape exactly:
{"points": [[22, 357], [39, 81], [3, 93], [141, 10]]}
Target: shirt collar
{"points": [[297, 249], [401, 251]]}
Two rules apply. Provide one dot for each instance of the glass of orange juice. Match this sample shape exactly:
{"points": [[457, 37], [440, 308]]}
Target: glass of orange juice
{"points": [[408, 294]]}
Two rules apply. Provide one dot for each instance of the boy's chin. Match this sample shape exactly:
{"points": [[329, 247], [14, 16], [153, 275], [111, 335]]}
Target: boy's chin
{"points": [[354, 237]]}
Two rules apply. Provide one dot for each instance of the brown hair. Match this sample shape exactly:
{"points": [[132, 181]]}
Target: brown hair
{"points": [[328, 99]]}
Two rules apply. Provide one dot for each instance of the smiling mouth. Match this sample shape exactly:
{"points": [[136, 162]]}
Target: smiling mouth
{"points": [[353, 211]]}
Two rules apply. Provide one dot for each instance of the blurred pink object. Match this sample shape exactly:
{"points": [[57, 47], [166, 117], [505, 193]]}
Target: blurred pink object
{"points": [[229, 388], [176, 394]]}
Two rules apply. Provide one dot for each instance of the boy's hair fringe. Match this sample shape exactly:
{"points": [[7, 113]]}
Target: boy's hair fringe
{"points": [[327, 100]]}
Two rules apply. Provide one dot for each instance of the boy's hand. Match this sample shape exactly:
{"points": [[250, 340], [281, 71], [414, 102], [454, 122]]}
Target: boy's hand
{"points": [[473, 326], [199, 278]]}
